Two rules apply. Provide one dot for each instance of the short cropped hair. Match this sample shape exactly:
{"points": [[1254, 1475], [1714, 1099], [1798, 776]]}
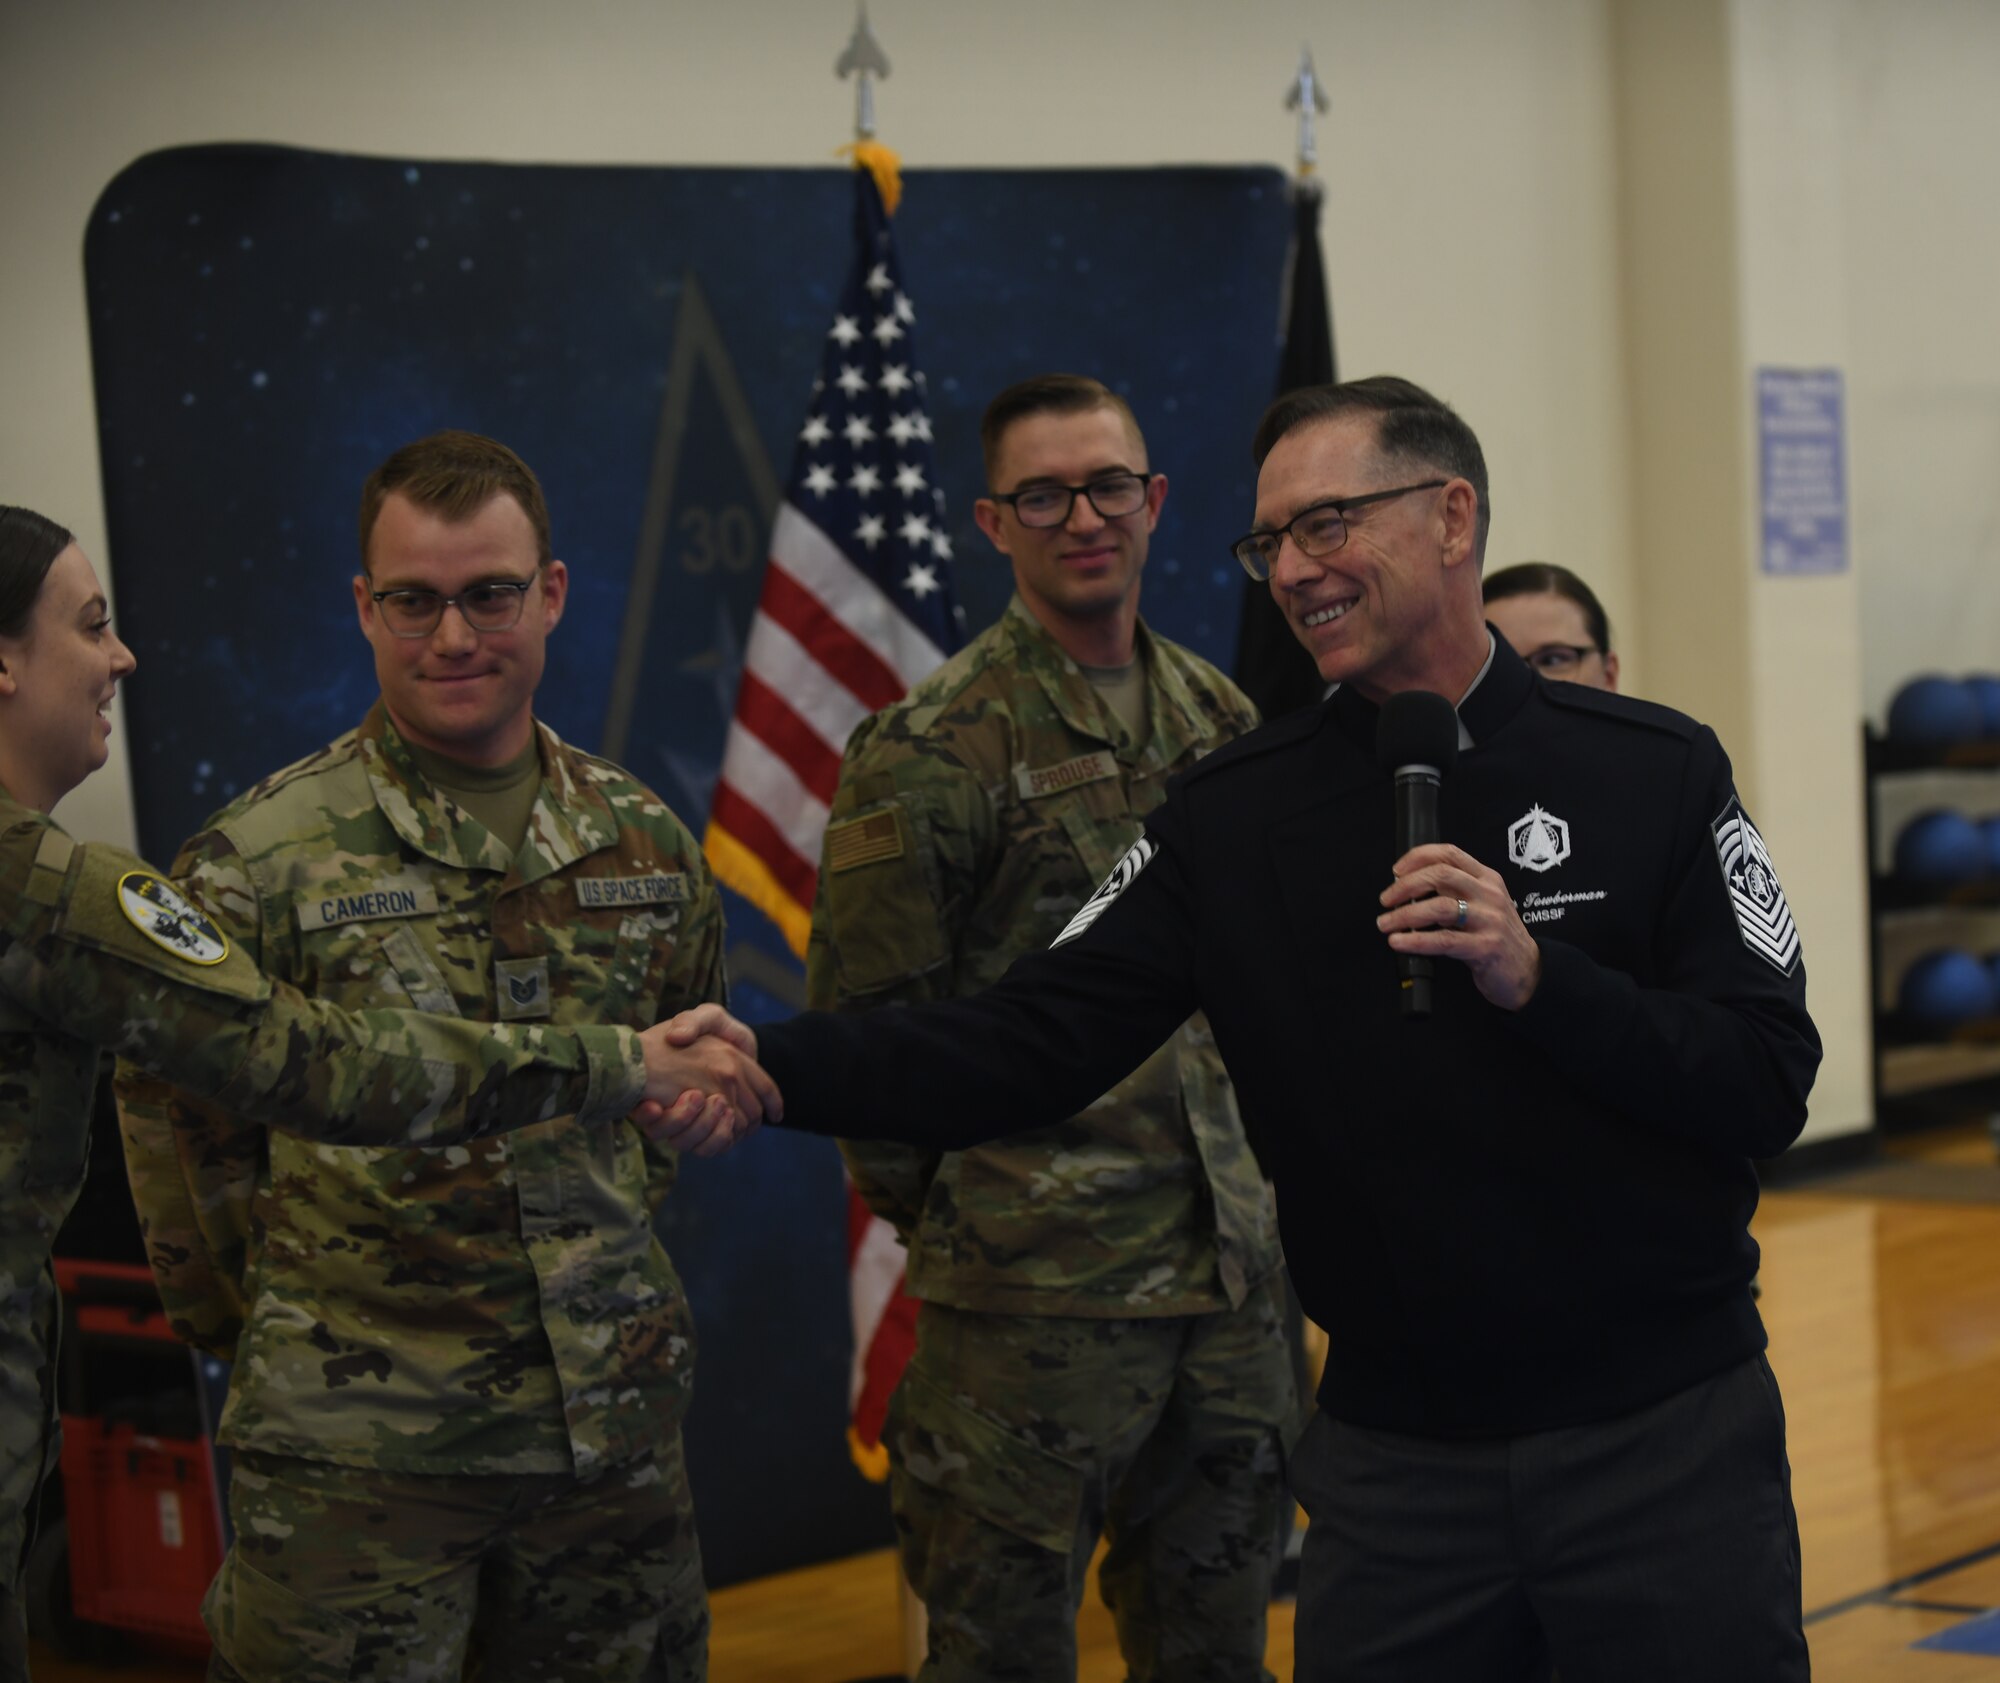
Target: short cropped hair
{"points": [[454, 475], [1545, 578], [29, 545], [1411, 427], [1047, 394]]}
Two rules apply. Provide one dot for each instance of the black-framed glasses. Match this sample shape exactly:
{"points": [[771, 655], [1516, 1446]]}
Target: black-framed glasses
{"points": [[1318, 530], [1114, 495], [493, 606], [1560, 660]]}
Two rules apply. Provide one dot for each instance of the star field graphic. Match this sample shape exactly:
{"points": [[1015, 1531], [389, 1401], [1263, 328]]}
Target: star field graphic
{"points": [[268, 324], [837, 478]]}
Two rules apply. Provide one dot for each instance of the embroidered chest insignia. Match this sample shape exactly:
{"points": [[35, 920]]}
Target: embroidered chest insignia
{"points": [[1763, 916], [1538, 841]]}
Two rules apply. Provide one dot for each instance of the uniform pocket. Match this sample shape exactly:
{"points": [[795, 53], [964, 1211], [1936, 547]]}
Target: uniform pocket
{"points": [[264, 1631], [1100, 842], [636, 976], [883, 921], [985, 1469]]}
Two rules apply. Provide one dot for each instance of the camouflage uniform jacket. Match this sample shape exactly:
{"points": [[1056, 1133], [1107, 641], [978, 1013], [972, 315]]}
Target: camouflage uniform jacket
{"points": [[95, 953], [973, 818], [498, 1308]]}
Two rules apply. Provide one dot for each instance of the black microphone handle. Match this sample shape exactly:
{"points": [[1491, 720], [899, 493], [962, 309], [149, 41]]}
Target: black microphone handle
{"points": [[1416, 824]]}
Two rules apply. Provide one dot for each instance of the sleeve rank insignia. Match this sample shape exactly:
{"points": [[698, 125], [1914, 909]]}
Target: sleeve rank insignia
{"points": [[1762, 915], [1122, 876]]}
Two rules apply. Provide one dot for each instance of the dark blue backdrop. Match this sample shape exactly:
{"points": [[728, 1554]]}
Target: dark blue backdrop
{"points": [[269, 324]]}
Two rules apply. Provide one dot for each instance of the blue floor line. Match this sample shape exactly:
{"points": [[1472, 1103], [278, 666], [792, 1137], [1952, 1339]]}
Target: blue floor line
{"points": [[1962, 1609], [1896, 1586]]}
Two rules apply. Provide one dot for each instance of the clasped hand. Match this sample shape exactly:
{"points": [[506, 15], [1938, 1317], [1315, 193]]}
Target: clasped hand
{"points": [[704, 1088], [1488, 937]]}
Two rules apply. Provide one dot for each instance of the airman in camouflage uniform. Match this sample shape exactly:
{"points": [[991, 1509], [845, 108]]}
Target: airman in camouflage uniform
{"points": [[1099, 1348], [98, 953], [459, 1374]]}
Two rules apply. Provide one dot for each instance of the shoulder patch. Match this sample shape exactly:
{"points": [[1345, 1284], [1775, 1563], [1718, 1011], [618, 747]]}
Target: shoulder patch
{"points": [[165, 917], [1122, 876], [1763, 916]]}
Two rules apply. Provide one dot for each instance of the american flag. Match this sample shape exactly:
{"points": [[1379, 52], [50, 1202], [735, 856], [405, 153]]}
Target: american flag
{"points": [[856, 606]]}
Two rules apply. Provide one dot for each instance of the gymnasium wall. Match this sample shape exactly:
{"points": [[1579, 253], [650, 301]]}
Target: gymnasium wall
{"points": [[1921, 255]]}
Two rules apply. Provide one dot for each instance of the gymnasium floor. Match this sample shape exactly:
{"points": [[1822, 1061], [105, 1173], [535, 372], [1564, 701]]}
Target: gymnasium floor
{"points": [[1884, 1313]]}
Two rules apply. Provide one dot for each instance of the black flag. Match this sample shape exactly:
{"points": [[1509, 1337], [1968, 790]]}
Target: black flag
{"points": [[1273, 670]]}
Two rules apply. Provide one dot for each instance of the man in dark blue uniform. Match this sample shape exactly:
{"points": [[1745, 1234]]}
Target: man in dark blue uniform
{"points": [[1547, 1432]]}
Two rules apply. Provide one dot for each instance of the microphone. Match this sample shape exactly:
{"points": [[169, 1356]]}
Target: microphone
{"points": [[1416, 739]]}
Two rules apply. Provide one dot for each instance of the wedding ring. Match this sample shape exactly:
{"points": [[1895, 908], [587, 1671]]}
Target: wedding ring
{"points": [[1463, 908]]}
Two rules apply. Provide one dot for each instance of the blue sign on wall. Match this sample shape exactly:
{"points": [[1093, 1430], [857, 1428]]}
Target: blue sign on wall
{"points": [[1802, 470]]}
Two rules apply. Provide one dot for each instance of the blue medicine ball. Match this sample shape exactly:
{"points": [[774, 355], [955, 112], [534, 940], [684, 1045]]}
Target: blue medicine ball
{"points": [[1943, 989], [1940, 848], [1933, 712], [1989, 829], [1985, 688]]}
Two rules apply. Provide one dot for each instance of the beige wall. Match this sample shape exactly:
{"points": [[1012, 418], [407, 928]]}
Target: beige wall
{"points": [[1916, 157]]}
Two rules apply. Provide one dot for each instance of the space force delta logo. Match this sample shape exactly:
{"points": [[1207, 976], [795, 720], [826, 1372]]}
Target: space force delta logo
{"points": [[1123, 875], [1537, 841], [1762, 915]]}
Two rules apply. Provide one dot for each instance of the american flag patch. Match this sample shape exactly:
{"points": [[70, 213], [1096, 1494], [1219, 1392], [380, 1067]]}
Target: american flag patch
{"points": [[862, 841]]}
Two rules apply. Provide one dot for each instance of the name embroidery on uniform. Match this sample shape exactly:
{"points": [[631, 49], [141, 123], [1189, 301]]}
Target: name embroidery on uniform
{"points": [[167, 919], [1538, 907], [363, 905], [1762, 915], [662, 888], [1036, 781], [863, 841], [1538, 840], [1123, 874]]}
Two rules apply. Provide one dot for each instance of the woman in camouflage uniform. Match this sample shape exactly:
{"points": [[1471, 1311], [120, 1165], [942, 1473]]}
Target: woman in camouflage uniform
{"points": [[100, 952]]}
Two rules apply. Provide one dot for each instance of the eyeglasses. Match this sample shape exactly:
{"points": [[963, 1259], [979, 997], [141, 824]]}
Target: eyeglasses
{"points": [[1114, 495], [1318, 530], [494, 606], [1559, 660]]}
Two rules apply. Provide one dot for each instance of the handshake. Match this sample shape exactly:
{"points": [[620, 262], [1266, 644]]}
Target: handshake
{"points": [[704, 1088]]}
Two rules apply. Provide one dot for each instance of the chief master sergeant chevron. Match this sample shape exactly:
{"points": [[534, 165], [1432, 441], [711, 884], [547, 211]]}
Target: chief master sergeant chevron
{"points": [[1547, 1433], [1097, 1351], [459, 1373]]}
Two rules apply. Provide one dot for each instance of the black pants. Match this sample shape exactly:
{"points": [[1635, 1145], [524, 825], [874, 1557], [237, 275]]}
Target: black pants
{"points": [[1659, 1547]]}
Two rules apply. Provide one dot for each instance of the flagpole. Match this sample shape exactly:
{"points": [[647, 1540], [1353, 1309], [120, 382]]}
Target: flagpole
{"points": [[864, 60], [1271, 666]]}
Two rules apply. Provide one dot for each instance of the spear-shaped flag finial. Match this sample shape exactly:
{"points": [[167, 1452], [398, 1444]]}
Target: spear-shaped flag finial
{"points": [[864, 60], [1307, 97]]}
